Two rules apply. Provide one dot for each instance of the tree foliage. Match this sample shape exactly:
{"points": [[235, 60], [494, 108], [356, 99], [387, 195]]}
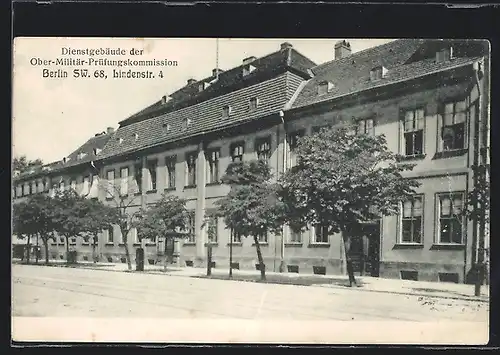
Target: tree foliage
{"points": [[22, 163], [341, 180], [251, 208], [167, 215]]}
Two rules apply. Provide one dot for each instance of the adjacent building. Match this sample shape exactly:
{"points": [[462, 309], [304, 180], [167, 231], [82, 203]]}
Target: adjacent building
{"points": [[430, 98]]}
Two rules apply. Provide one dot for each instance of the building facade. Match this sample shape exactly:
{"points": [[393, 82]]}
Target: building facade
{"points": [[429, 98]]}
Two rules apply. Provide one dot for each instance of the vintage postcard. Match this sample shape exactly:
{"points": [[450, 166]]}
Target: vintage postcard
{"points": [[225, 190]]}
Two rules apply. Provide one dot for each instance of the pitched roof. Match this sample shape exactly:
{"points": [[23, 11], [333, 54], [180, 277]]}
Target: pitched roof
{"points": [[227, 81], [352, 73], [87, 152], [205, 116]]}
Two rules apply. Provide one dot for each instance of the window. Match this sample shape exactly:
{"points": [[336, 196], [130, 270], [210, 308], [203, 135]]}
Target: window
{"points": [[453, 126], [40, 186], [111, 235], [86, 185], [444, 55], [295, 236], [133, 235], [152, 174], [237, 151], [321, 234], [94, 192], [378, 73], [263, 148], [73, 240], [72, 185], [111, 184], [226, 111], [262, 238], [191, 169], [324, 87], [413, 127], [366, 126], [33, 187], [61, 186], [412, 220], [61, 239], [19, 190], [236, 237], [124, 181], [46, 185], [170, 165], [451, 220], [254, 103], [186, 123], [213, 166], [26, 189], [191, 229], [212, 230], [247, 69], [138, 177], [293, 139]]}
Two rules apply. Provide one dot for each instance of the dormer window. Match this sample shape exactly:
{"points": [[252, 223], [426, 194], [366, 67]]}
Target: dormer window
{"points": [[203, 86], [247, 69], [166, 127], [186, 123], [378, 73], [226, 111], [165, 99], [254, 103], [444, 55], [325, 87], [119, 140], [96, 151], [81, 155], [135, 136]]}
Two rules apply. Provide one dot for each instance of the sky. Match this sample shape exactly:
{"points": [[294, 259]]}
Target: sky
{"points": [[52, 117]]}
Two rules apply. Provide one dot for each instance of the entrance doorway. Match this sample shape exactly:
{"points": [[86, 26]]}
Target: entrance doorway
{"points": [[365, 250]]}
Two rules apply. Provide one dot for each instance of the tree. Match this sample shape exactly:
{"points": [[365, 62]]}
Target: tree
{"points": [[22, 164], [341, 180], [167, 218], [23, 225], [69, 215], [251, 207], [123, 202], [42, 212], [98, 217]]}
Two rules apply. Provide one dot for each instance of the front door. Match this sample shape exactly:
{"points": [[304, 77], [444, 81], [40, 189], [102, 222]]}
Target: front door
{"points": [[372, 253]]}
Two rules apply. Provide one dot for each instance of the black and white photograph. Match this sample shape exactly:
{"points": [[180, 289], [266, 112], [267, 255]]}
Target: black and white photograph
{"points": [[251, 190]]}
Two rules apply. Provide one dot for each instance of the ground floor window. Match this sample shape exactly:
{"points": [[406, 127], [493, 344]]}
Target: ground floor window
{"points": [[412, 220], [321, 233], [451, 220], [191, 230]]}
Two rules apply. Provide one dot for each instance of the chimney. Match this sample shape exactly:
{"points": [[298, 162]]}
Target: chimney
{"points": [[216, 71], [191, 81], [342, 49], [110, 130], [248, 60], [285, 45]]}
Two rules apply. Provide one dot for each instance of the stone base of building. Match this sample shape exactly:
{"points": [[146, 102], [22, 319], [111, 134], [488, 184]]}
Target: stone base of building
{"points": [[422, 271]]}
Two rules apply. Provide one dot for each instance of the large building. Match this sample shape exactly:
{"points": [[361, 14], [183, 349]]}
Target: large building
{"points": [[429, 97]]}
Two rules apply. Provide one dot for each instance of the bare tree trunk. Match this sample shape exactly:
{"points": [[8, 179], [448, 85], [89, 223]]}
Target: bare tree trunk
{"points": [[36, 250], [262, 267], [46, 246], [28, 247], [94, 242], [347, 248], [67, 250], [127, 253]]}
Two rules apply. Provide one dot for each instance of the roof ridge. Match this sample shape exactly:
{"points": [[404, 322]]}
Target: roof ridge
{"points": [[364, 51]]}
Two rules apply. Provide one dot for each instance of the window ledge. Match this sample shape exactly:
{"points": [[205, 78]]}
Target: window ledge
{"points": [[412, 157], [124, 195], [169, 189], [150, 244], [450, 153], [439, 246], [109, 198], [85, 243], [151, 191], [189, 243], [189, 187], [72, 244], [137, 193], [408, 246], [213, 183], [215, 244], [265, 244], [110, 244], [137, 244], [293, 244], [319, 245], [238, 244]]}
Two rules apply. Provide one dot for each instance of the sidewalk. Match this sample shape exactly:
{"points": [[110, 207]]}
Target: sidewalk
{"points": [[368, 284]]}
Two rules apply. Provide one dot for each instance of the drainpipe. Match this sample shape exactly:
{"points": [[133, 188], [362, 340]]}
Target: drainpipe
{"points": [[478, 179], [283, 231]]}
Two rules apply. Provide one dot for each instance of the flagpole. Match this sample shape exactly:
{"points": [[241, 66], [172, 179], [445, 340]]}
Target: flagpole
{"points": [[216, 59]]}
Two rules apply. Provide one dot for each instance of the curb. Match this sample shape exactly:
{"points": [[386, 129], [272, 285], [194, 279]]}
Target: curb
{"points": [[201, 275]]}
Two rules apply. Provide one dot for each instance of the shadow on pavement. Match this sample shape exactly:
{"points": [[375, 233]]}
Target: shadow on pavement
{"points": [[283, 280], [435, 290]]}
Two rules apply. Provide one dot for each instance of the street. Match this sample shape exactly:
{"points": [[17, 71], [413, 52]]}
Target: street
{"points": [[69, 292]]}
